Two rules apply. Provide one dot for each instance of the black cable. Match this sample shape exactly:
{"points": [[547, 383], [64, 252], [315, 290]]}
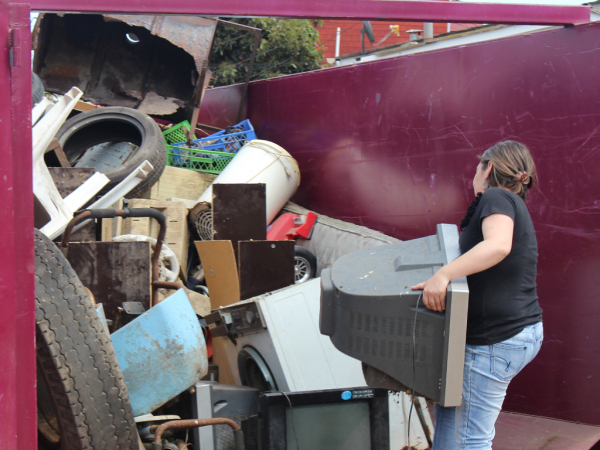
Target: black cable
{"points": [[414, 380], [291, 416]]}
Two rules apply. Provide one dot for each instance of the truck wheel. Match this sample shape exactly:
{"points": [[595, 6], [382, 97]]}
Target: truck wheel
{"points": [[37, 89], [82, 398], [305, 265], [118, 139]]}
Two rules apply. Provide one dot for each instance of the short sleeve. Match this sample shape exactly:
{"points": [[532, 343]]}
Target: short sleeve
{"points": [[497, 201]]}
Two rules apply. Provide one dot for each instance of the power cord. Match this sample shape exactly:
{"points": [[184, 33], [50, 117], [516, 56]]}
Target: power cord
{"points": [[291, 417], [414, 377]]}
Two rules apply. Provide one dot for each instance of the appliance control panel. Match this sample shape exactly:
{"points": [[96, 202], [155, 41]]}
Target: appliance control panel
{"points": [[241, 318]]}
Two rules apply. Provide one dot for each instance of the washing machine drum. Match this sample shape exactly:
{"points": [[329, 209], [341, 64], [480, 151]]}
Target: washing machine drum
{"points": [[254, 371]]}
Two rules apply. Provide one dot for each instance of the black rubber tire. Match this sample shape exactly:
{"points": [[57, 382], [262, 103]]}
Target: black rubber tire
{"points": [[37, 89], [77, 361], [118, 124], [304, 256]]}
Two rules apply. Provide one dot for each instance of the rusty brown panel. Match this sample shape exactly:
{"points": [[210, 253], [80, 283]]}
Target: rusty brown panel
{"points": [[265, 266], [67, 179], [239, 213], [115, 272], [92, 52], [194, 34]]}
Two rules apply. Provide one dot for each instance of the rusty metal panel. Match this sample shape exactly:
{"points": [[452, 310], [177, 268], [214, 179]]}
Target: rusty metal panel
{"points": [[148, 63], [115, 272], [239, 213]]}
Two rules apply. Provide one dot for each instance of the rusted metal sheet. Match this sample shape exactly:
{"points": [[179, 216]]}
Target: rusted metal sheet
{"points": [[115, 272], [239, 213], [149, 63]]}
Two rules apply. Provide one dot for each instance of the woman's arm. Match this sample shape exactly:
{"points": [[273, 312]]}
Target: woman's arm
{"points": [[496, 245]]}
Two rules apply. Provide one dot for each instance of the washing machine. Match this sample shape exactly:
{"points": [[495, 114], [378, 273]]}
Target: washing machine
{"points": [[273, 343]]}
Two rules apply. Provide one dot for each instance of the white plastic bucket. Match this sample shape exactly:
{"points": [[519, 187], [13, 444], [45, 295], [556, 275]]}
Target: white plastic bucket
{"points": [[262, 162]]}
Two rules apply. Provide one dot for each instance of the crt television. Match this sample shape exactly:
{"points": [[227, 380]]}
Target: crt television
{"points": [[369, 311], [336, 419]]}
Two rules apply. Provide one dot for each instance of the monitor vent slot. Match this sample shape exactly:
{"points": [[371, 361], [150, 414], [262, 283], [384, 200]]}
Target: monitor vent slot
{"points": [[389, 337]]}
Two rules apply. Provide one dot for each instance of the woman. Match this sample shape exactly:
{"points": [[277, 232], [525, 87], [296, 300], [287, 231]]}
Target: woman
{"points": [[504, 327]]}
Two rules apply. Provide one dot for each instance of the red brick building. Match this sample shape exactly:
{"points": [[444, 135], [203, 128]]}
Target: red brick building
{"points": [[350, 34]]}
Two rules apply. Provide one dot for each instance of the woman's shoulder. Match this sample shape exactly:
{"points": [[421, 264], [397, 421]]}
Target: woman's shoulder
{"points": [[499, 194]]}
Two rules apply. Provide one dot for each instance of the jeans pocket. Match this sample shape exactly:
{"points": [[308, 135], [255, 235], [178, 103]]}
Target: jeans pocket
{"points": [[507, 360]]}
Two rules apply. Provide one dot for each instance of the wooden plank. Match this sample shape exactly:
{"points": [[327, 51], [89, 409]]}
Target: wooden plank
{"points": [[220, 270], [265, 266], [177, 230], [67, 179], [239, 213], [115, 272], [176, 182], [59, 152]]}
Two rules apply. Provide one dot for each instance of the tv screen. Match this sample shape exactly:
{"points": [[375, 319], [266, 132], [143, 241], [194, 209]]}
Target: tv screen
{"points": [[336, 419], [370, 312], [338, 426]]}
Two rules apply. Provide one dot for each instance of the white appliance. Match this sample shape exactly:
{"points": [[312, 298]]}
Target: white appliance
{"points": [[278, 346]]}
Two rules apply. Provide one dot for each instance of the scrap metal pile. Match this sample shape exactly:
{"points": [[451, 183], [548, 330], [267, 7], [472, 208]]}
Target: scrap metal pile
{"points": [[170, 269]]}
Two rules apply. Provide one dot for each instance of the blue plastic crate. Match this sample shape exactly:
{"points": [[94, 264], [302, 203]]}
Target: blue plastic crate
{"points": [[212, 153]]}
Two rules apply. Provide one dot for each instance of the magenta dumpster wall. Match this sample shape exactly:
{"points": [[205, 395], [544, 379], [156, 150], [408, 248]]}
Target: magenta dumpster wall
{"points": [[392, 145]]}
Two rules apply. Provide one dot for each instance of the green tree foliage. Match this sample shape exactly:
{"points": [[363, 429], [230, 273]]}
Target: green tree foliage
{"points": [[286, 47]]}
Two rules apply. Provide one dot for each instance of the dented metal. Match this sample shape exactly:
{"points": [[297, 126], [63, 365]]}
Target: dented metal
{"points": [[150, 63]]}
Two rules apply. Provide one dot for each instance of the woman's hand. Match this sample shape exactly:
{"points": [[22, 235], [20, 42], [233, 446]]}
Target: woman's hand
{"points": [[434, 291]]}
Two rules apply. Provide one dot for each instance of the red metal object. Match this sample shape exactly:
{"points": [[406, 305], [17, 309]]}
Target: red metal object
{"points": [[392, 145], [401, 10], [290, 226], [17, 318]]}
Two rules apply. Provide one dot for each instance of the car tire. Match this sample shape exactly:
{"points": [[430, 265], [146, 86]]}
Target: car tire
{"points": [[82, 398], [305, 265], [37, 89], [116, 124]]}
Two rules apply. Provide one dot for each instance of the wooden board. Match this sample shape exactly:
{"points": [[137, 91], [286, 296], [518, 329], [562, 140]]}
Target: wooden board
{"points": [[239, 213], [219, 358], [67, 179], [265, 266], [176, 182], [220, 270], [177, 230], [115, 272]]}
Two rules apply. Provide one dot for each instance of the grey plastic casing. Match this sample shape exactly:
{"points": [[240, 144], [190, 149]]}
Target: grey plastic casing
{"points": [[368, 310]]}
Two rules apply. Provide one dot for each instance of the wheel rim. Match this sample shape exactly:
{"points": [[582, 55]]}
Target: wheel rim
{"points": [[47, 420], [302, 270]]}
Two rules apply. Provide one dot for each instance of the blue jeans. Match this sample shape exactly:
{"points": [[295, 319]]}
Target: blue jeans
{"points": [[488, 370]]}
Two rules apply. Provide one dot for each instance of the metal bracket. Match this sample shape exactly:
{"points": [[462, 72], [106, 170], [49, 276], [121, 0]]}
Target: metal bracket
{"points": [[14, 47]]}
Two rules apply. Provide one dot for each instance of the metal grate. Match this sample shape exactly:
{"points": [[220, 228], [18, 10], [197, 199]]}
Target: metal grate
{"points": [[389, 337]]}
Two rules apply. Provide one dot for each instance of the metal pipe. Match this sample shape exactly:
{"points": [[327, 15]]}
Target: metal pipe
{"points": [[135, 212], [338, 38], [428, 30], [178, 425], [167, 284]]}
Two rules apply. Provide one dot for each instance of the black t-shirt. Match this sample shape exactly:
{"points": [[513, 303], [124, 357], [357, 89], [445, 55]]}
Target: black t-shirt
{"points": [[502, 299]]}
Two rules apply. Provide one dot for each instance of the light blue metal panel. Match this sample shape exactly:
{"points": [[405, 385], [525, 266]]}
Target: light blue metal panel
{"points": [[161, 353]]}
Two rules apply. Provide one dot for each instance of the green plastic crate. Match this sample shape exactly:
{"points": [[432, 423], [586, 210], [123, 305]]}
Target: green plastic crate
{"points": [[207, 162], [176, 133]]}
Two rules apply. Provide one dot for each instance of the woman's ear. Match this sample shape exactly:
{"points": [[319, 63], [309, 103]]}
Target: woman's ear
{"points": [[488, 170]]}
